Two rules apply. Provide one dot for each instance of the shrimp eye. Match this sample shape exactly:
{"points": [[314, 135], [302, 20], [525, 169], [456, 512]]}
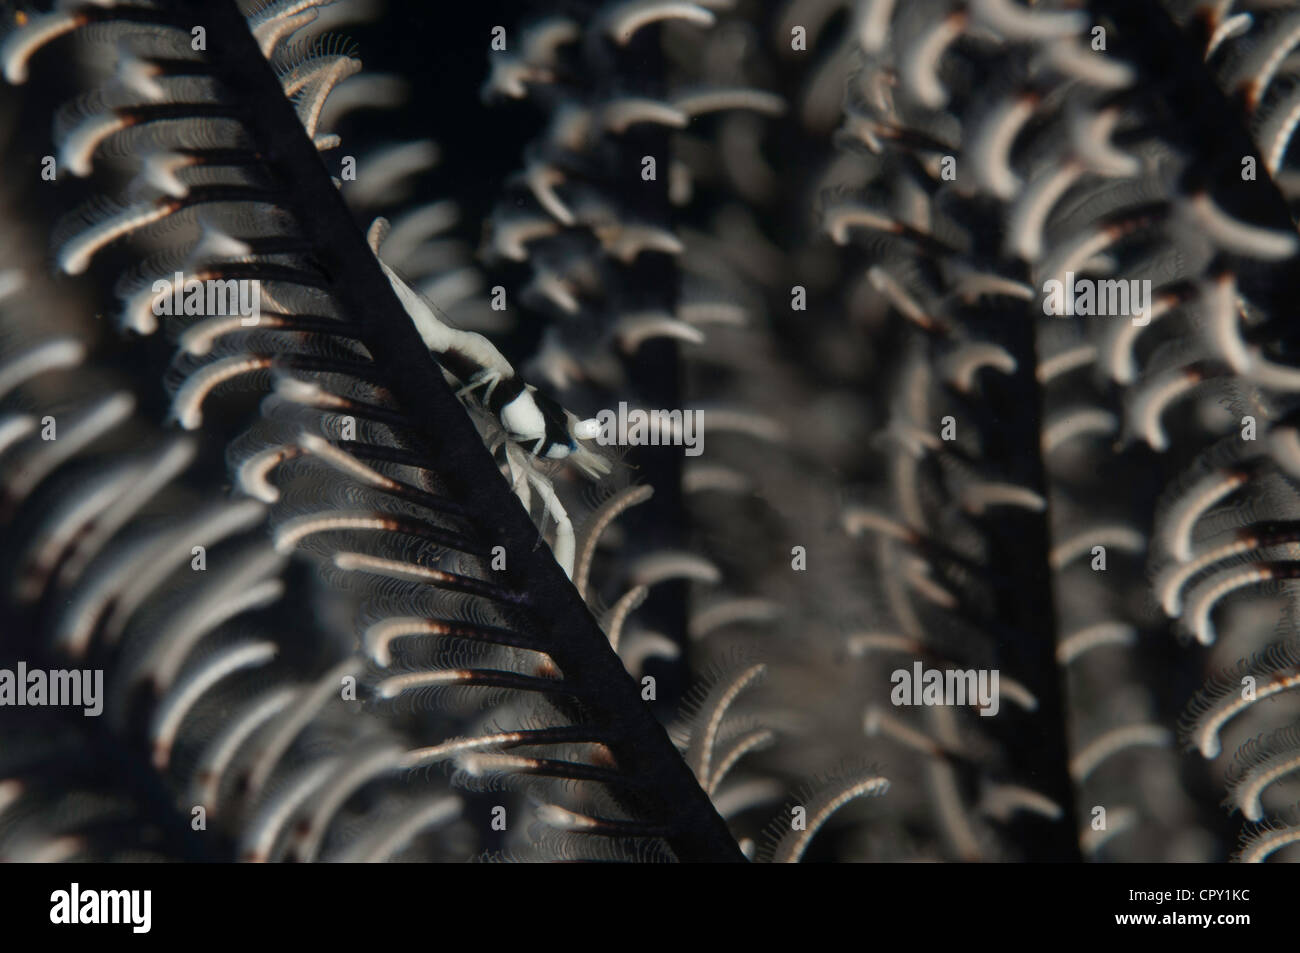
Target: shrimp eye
{"points": [[555, 421]]}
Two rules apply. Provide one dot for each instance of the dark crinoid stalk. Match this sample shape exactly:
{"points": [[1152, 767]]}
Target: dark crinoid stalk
{"points": [[836, 429]]}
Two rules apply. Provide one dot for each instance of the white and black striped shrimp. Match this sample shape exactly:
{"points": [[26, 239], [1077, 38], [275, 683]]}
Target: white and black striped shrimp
{"points": [[530, 418]]}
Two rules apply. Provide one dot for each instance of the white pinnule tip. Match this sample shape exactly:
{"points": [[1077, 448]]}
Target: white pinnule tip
{"points": [[625, 20], [214, 244], [20, 45], [297, 390], [558, 817], [139, 76], [376, 233]]}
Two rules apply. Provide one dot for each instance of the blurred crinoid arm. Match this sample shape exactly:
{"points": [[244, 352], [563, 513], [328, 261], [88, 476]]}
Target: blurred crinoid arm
{"points": [[588, 221], [1222, 557], [984, 305], [964, 550], [1096, 152]]}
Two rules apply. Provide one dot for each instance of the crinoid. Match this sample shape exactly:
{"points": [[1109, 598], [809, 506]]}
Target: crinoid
{"points": [[827, 430]]}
